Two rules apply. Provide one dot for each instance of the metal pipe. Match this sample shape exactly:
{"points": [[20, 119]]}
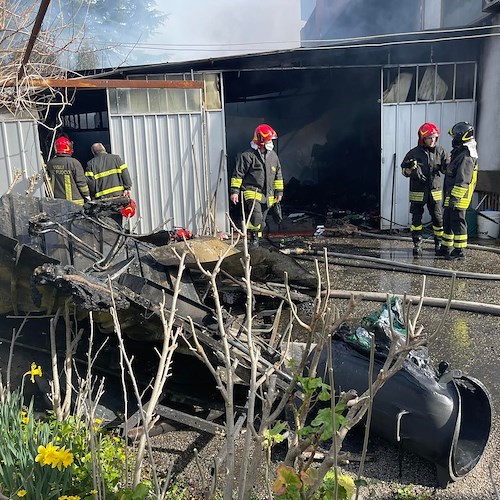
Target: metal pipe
{"points": [[401, 265], [483, 248]]}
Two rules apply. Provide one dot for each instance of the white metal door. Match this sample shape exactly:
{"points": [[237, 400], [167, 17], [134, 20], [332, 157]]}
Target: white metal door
{"points": [[175, 149], [400, 122]]}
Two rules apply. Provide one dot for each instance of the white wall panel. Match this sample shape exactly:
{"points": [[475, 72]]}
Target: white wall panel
{"points": [[175, 164], [19, 151], [400, 123]]}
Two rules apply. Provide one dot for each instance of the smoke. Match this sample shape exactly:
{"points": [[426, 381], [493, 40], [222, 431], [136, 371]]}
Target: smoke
{"points": [[199, 29]]}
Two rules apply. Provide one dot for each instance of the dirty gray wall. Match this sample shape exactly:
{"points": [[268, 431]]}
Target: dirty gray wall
{"points": [[489, 105]]}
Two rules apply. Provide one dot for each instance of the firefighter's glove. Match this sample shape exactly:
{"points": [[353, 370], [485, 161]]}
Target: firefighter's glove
{"points": [[420, 175], [452, 203]]}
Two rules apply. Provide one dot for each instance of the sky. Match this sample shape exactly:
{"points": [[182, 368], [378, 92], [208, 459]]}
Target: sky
{"points": [[200, 29]]}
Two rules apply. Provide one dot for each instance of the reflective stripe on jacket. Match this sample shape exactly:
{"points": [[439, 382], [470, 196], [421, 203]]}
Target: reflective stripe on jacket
{"points": [[433, 164], [461, 178], [67, 178], [258, 176], [107, 176]]}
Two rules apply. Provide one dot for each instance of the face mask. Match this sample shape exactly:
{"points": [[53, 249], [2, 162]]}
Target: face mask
{"points": [[269, 146]]}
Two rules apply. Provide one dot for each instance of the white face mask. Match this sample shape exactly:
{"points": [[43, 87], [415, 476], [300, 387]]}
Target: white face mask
{"points": [[269, 146]]}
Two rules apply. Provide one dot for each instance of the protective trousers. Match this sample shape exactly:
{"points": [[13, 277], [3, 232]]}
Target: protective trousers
{"points": [[455, 229], [417, 210], [258, 217]]}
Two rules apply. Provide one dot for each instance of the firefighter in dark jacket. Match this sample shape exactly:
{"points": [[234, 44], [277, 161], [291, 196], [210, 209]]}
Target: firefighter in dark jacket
{"points": [[424, 165], [66, 174], [459, 184], [257, 176], [108, 176]]}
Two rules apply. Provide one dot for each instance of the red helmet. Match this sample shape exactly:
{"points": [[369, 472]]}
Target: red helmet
{"points": [[63, 146], [427, 130], [129, 210], [263, 133]]}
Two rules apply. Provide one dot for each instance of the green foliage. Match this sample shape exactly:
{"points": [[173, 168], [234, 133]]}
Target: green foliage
{"points": [[20, 438], [345, 490], [178, 491], [273, 435], [50, 459], [408, 493], [109, 456], [322, 423], [290, 486], [315, 385]]}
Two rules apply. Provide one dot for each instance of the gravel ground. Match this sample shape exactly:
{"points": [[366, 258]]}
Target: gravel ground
{"points": [[468, 341]]}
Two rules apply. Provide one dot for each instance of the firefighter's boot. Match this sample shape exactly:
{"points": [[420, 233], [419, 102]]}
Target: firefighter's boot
{"points": [[254, 240], [417, 246], [456, 254], [445, 252], [437, 246]]}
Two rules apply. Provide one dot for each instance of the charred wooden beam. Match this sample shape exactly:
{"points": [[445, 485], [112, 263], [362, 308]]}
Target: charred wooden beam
{"points": [[109, 84]]}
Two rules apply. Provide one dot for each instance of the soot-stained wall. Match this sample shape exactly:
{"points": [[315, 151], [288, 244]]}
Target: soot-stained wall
{"points": [[328, 123]]}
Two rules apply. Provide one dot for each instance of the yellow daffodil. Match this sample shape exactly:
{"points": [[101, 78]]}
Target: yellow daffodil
{"points": [[65, 458], [35, 370], [47, 455], [93, 492], [98, 421], [21, 493], [25, 420]]}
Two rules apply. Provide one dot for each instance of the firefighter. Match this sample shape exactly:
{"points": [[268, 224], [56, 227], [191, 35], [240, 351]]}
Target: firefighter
{"points": [[66, 174], [257, 176], [424, 165], [108, 176], [459, 183]]}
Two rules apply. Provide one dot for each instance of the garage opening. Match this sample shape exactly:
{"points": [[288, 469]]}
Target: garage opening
{"points": [[328, 125]]}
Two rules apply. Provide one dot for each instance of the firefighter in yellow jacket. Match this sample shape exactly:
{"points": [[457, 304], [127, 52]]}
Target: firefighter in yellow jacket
{"points": [[66, 174], [459, 183], [108, 176], [257, 176]]}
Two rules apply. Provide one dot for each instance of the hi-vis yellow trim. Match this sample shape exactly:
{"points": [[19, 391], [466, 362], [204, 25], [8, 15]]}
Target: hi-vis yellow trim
{"points": [[279, 185], [252, 227], [460, 237], [416, 196], [271, 201], [106, 173], [438, 231], [437, 195], [109, 191], [236, 183], [252, 195], [461, 244], [67, 188], [458, 191], [416, 228]]}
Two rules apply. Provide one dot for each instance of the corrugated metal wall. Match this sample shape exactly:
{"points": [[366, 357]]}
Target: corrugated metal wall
{"points": [[400, 122], [177, 164], [19, 152]]}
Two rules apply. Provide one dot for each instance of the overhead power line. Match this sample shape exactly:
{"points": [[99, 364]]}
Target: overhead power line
{"points": [[339, 43]]}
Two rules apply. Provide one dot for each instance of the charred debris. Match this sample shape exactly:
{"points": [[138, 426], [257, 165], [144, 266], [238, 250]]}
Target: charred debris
{"points": [[52, 250]]}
